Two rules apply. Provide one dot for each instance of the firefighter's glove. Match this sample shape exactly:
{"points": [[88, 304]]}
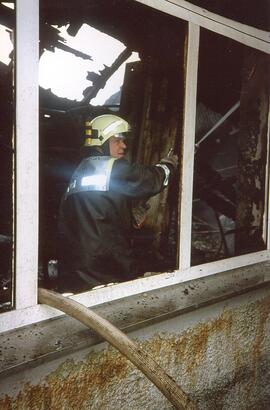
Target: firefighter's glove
{"points": [[139, 214], [169, 165], [171, 161]]}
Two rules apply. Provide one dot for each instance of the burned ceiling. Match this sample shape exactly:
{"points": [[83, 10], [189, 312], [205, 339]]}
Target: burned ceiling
{"points": [[121, 19]]}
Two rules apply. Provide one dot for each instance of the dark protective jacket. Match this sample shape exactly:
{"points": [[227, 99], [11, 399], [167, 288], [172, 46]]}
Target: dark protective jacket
{"points": [[95, 221]]}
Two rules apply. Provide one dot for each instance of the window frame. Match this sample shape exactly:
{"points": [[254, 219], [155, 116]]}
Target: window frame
{"points": [[27, 310], [27, 154]]}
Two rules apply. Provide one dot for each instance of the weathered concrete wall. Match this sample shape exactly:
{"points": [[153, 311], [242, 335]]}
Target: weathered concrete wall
{"points": [[219, 354]]}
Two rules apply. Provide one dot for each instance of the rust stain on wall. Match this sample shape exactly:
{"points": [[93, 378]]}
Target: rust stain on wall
{"points": [[6, 403], [239, 334], [72, 384], [190, 348], [263, 314]]}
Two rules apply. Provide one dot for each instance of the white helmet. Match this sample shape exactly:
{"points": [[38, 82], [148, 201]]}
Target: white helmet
{"points": [[101, 128]]}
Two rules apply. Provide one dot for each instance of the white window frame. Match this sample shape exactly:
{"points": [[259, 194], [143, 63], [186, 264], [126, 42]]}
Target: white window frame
{"points": [[27, 311]]}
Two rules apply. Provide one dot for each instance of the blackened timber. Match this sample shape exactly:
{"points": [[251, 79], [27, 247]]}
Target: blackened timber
{"points": [[100, 80], [51, 39], [160, 131], [254, 111], [76, 53], [7, 17]]}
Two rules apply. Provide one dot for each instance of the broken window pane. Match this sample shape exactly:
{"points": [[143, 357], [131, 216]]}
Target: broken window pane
{"points": [[119, 66], [6, 156], [230, 179]]}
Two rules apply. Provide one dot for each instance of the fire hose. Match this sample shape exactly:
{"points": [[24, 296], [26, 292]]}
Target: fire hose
{"points": [[130, 349]]}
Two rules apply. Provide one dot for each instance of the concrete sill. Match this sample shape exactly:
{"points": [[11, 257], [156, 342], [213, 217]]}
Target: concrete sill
{"points": [[35, 344]]}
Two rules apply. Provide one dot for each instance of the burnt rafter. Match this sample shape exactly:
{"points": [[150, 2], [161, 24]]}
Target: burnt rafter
{"points": [[76, 53], [51, 39], [99, 80], [7, 17]]}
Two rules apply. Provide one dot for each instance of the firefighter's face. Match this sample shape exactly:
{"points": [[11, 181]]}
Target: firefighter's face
{"points": [[117, 147]]}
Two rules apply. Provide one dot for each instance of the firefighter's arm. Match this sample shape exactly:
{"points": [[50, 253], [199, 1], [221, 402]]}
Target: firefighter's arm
{"points": [[141, 181]]}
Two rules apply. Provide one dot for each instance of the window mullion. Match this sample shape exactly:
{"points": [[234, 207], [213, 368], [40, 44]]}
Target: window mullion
{"points": [[188, 145], [27, 58]]}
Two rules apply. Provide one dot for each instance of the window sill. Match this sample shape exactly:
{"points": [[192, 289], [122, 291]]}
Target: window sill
{"points": [[32, 345]]}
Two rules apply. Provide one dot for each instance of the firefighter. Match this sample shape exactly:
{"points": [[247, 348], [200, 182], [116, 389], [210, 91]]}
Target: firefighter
{"points": [[95, 223]]}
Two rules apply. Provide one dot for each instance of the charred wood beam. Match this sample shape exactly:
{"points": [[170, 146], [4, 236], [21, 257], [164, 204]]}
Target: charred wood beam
{"points": [[73, 28], [51, 39], [76, 53], [252, 146], [7, 17], [49, 35], [99, 80]]}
